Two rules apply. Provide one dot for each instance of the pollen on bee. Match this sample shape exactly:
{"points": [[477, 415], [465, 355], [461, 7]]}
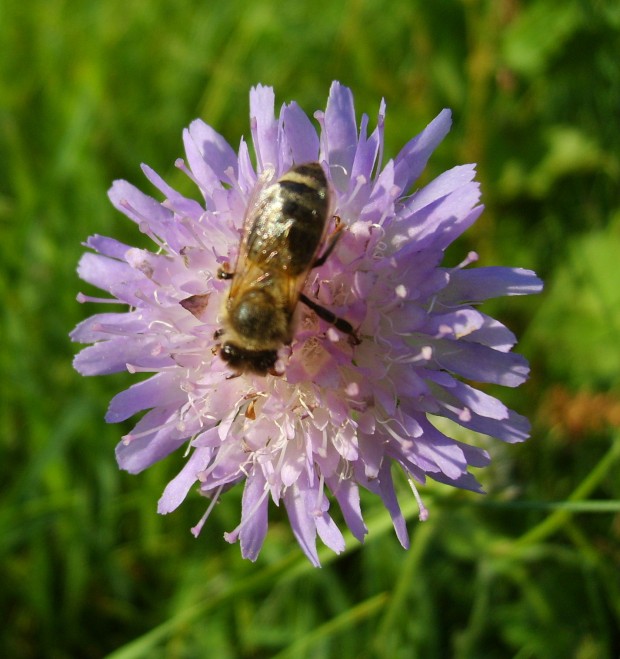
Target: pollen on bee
{"points": [[224, 272]]}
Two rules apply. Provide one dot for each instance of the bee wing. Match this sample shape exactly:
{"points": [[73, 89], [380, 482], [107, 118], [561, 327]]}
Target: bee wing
{"points": [[284, 290], [263, 253], [263, 181], [263, 262], [282, 233]]}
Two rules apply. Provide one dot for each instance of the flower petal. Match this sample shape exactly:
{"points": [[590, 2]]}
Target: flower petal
{"points": [[300, 134], [412, 159], [480, 284], [372, 377], [339, 134], [348, 497], [155, 436], [477, 362], [157, 391], [180, 485], [302, 521], [264, 126], [253, 516]]}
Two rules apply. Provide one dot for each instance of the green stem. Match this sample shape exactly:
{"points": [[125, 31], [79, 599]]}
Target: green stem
{"points": [[559, 517]]}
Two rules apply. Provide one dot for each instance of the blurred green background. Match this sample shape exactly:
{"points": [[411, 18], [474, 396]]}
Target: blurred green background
{"points": [[88, 91]]}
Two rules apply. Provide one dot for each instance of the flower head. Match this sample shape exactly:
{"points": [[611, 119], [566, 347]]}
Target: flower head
{"points": [[337, 412]]}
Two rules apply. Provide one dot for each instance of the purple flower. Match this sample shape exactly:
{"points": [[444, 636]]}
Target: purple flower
{"points": [[340, 412]]}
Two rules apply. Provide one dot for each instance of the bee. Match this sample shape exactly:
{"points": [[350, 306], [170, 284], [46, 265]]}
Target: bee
{"points": [[283, 232]]}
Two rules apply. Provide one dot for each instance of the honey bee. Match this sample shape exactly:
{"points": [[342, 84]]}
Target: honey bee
{"points": [[283, 233]]}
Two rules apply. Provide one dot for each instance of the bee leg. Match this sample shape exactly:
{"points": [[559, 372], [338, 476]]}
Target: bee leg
{"points": [[339, 323], [333, 240], [224, 272]]}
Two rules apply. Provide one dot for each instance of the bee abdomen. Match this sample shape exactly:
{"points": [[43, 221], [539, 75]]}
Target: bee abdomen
{"points": [[304, 205]]}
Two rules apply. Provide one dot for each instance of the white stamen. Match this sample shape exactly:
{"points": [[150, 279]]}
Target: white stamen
{"points": [[179, 163], [318, 512], [80, 297], [472, 257], [133, 368], [143, 224], [196, 529], [127, 439], [423, 512], [249, 514]]}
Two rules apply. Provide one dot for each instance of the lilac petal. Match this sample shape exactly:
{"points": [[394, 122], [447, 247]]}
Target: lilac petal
{"points": [[419, 273], [512, 429], [180, 485], [116, 354], [302, 523], [329, 533], [175, 200], [371, 452], [214, 151], [209, 438], [104, 326], [477, 401], [411, 457], [465, 482], [479, 363], [140, 208], [453, 325], [450, 232], [438, 224], [154, 437], [340, 133], [112, 276], [157, 268], [384, 487], [378, 132], [227, 469], [254, 516], [365, 154], [300, 134], [440, 187], [380, 205], [159, 390], [406, 449], [442, 451], [264, 126], [347, 494], [480, 284], [291, 467], [317, 505], [474, 455], [285, 156], [412, 159], [247, 175], [207, 180], [494, 334], [107, 246], [388, 496]]}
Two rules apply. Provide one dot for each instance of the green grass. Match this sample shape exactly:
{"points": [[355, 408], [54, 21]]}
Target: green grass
{"points": [[90, 90]]}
